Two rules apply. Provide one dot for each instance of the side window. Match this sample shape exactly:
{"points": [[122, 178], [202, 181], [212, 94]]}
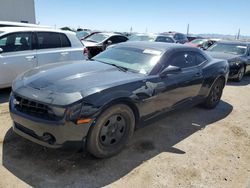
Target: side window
{"points": [[176, 37], [183, 59], [117, 39], [160, 39], [182, 36], [122, 39], [65, 41], [16, 42], [48, 40], [164, 39], [199, 58]]}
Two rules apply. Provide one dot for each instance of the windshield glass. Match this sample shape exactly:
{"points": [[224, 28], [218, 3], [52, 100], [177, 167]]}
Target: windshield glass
{"points": [[97, 38], [198, 41], [236, 49], [142, 38], [139, 60], [82, 34]]}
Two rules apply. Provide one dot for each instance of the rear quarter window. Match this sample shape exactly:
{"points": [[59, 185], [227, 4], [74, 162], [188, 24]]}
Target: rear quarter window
{"points": [[200, 59], [65, 41], [183, 59], [48, 40]]}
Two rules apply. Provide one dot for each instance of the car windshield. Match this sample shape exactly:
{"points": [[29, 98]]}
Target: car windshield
{"points": [[82, 34], [134, 59], [237, 49], [198, 41], [142, 38], [98, 37]]}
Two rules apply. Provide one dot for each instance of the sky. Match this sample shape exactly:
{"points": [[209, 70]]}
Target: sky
{"points": [[153, 16]]}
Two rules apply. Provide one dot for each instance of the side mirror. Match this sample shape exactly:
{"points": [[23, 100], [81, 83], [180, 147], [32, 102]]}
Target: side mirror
{"points": [[1, 50], [170, 70]]}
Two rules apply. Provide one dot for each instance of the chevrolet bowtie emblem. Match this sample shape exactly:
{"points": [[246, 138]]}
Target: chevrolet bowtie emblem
{"points": [[16, 102]]}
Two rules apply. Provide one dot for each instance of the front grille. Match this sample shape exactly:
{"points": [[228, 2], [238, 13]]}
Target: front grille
{"points": [[34, 108]]}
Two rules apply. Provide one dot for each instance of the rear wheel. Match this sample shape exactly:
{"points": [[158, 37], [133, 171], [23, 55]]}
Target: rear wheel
{"points": [[240, 74], [113, 128], [215, 94]]}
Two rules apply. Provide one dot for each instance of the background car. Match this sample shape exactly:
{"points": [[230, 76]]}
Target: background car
{"points": [[25, 48], [193, 37], [236, 53], [82, 34], [103, 102], [202, 43], [98, 42], [179, 37], [152, 38], [90, 34]]}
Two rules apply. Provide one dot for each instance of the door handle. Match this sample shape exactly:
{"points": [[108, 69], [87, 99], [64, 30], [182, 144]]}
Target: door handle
{"points": [[64, 53], [30, 57]]}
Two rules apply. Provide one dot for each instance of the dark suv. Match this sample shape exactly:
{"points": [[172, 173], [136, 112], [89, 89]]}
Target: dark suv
{"points": [[179, 37]]}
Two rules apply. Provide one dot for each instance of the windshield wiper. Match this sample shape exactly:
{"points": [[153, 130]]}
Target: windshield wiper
{"points": [[117, 66], [90, 40]]}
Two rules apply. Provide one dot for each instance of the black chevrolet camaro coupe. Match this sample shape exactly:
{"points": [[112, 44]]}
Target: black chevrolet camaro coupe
{"points": [[100, 102], [236, 53]]}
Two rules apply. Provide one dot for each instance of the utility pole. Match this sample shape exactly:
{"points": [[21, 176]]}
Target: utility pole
{"points": [[238, 35], [187, 29]]}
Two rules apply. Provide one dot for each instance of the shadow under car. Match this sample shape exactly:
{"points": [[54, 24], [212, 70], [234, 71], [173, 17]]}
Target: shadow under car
{"points": [[43, 167]]}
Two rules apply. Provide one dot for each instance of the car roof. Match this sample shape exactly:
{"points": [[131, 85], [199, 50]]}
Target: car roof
{"points": [[172, 33], [110, 34], [152, 35], [234, 42], [161, 46], [164, 35], [21, 29]]}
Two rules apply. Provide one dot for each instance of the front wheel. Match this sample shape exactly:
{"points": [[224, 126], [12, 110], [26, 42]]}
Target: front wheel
{"points": [[215, 94], [240, 74], [113, 128]]}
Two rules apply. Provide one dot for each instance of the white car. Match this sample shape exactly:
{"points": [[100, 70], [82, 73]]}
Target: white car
{"points": [[23, 48]]}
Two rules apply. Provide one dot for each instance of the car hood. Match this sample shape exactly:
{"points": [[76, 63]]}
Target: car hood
{"points": [[66, 83], [192, 44], [90, 44], [222, 55]]}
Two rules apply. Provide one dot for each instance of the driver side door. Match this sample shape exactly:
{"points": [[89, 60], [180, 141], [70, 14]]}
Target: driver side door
{"points": [[175, 89], [189, 80]]}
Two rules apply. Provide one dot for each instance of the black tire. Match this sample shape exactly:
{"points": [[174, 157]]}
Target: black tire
{"points": [[215, 94], [240, 74], [113, 129]]}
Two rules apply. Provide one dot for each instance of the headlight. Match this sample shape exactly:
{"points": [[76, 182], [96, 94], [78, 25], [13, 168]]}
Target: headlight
{"points": [[57, 111], [75, 111]]}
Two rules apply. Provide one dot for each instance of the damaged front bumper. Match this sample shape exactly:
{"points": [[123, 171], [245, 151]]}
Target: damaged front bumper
{"points": [[49, 133]]}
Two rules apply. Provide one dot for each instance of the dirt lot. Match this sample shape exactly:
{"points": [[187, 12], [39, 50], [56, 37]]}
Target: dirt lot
{"points": [[188, 148]]}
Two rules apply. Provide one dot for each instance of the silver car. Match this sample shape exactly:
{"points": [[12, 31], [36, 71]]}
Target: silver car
{"points": [[23, 48]]}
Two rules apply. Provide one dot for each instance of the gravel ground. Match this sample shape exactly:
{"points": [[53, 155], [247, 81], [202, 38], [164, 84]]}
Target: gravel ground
{"points": [[188, 148]]}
